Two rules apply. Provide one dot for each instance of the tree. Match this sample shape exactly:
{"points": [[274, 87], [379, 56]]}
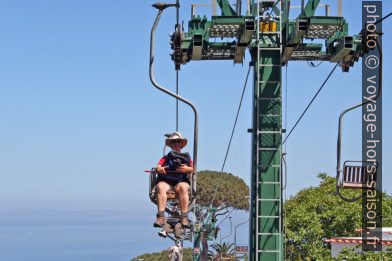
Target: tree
{"points": [[349, 254], [218, 188], [317, 213], [162, 256], [229, 189], [223, 251]]}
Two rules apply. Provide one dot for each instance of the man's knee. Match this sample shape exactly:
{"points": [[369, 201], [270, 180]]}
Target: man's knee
{"points": [[162, 187], [182, 188]]}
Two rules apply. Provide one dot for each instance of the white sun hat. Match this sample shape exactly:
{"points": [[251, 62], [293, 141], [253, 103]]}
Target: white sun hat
{"points": [[176, 136]]}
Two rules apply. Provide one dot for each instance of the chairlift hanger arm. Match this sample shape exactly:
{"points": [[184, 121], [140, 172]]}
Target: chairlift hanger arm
{"points": [[161, 88]]}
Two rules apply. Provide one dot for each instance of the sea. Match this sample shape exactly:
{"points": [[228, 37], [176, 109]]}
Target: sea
{"points": [[86, 235]]}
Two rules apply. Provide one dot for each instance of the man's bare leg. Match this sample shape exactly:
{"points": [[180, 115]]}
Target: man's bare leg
{"points": [[182, 189], [162, 189]]}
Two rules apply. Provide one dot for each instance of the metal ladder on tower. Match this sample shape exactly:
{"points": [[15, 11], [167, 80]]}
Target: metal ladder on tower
{"points": [[268, 104]]}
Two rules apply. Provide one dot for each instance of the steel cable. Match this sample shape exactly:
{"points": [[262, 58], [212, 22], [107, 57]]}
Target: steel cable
{"points": [[310, 103], [232, 132], [236, 118]]}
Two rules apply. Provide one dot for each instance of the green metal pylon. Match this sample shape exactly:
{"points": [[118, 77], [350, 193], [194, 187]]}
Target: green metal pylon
{"points": [[266, 238]]}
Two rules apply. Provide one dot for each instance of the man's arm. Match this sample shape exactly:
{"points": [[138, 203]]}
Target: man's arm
{"points": [[185, 169], [159, 167]]}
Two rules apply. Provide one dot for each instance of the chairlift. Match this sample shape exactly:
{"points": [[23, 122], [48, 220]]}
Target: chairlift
{"points": [[172, 207], [355, 174]]}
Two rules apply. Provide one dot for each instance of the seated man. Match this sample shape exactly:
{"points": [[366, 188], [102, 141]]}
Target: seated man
{"points": [[173, 169]]}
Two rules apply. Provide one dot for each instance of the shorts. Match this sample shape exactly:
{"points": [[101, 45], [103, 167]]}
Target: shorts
{"points": [[172, 182]]}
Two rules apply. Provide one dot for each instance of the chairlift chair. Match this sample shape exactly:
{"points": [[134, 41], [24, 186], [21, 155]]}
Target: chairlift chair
{"points": [[355, 174], [172, 196], [172, 208]]}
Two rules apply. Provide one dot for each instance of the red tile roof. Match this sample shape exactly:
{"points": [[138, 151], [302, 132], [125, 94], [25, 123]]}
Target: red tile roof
{"points": [[384, 232], [353, 240]]}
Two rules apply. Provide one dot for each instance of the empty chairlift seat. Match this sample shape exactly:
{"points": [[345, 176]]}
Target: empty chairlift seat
{"points": [[356, 174]]}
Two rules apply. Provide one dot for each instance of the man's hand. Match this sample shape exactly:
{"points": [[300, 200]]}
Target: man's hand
{"points": [[160, 170], [184, 169]]}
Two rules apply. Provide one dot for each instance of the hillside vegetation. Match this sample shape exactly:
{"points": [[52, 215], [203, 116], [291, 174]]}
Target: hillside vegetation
{"points": [[230, 189]]}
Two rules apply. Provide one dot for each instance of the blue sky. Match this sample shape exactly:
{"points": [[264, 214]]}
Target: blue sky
{"points": [[80, 120]]}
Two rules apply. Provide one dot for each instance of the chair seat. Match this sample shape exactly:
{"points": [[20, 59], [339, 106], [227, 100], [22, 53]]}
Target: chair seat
{"points": [[171, 194], [353, 185]]}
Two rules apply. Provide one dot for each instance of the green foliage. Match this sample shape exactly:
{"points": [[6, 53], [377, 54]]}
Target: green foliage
{"points": [[163, 256], [317, 213], [223, 251], [231, 190], [349, 254]]}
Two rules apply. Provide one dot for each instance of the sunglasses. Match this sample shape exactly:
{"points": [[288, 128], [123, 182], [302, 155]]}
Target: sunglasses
{"points": [[176, 141]]}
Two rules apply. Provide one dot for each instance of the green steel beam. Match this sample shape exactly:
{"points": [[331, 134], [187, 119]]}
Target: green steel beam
{"points": [[230, 20], [226, 8], [342, 49], [328, 20], [310, 8]]}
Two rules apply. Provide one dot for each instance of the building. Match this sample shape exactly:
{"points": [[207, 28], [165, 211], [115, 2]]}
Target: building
{"points": [[338, 243]]}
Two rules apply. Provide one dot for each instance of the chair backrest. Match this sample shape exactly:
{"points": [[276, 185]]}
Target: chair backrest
{"points": [[356, 177], [153, 183], [171, 195]]}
